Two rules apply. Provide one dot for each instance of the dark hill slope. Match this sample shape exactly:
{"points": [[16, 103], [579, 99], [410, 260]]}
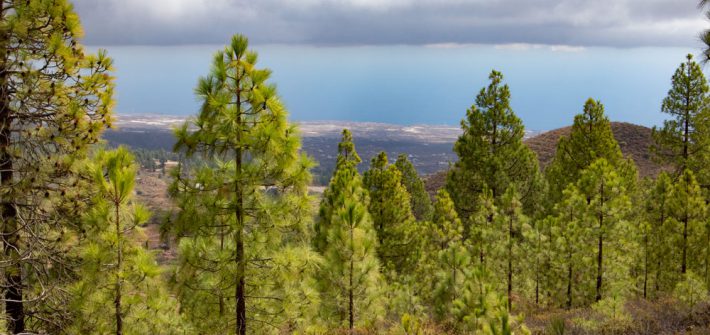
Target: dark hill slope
{"points": [[634, 141]]}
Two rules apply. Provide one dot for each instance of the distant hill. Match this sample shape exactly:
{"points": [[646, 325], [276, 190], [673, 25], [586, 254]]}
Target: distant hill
{"points": [[634, 141]]}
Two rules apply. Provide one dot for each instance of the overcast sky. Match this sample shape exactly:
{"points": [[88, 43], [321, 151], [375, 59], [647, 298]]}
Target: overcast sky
{"points": [[614, 23]]}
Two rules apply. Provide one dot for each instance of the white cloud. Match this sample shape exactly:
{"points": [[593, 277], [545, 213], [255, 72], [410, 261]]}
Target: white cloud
{"points": [[513, 24]]}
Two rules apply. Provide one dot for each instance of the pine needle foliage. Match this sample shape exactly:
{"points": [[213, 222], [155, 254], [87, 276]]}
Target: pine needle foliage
{"points": [[491, 151], [591, 138], [350, 282], [419, 198], [392, 216], [54, 101], [684, 139], [121, 290], [243, 217]]}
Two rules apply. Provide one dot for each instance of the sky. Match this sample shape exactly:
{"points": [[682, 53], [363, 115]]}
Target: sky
{"points": [[405, 61]]}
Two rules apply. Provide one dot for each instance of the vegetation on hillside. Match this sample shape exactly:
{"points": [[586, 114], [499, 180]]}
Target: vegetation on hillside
{"points": [[582, 245]]}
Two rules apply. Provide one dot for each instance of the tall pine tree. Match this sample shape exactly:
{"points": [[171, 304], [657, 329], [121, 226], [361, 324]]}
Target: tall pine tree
{"points": [[244, 214], [607, 214], [508, 226], [659, 254], [419, 198], [121, 289], [350, 282], [684, 139], [573, 244], [392, 215], [491, 151], [54, 101], [688, 211], [591, 138]]}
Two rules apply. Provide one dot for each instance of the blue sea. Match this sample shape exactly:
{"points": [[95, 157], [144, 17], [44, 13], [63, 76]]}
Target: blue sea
{"points": [[414, 84]]}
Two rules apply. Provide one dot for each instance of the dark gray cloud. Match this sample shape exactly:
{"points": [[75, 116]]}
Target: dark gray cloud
{"points": [[618, 23]]}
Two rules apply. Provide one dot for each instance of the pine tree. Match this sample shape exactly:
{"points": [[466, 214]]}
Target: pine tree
{"points": [[509, 225], [591, 138], [684, 139], [451, 272], [347, 156], [688, 210], [491, 151], [243, 215], [537, 254], [658, 231], [608, 212], [481, 231], [120, 290], [54, 101], [350, 281], [479, 310], [392, 216], [446, 227], [572, 246], [420, 201], [444, 256]]}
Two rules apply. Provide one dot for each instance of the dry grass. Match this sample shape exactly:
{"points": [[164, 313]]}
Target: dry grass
{"points": [[665, 316], [152, 191]]}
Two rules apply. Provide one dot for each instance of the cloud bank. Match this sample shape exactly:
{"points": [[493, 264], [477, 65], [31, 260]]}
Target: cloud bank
{"points": [[575, 23]]}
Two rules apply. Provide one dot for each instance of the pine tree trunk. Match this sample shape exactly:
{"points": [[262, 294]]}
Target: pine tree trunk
{"points": [[240, 294], [14, 307], [221, 294], [119, 265], [351, 304], [537, 269], [686, 122], [569, 280], [600, 256], [510, 264], [683, 265], [645, 266], [658, 268]]}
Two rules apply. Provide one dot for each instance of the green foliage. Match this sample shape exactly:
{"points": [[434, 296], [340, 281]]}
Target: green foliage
{"points": [[447, 228], [55, 99], [347, 158], [691, 290], [481, 230], [608, 213], [591, 139], [683, 140], [507, 259], [346, 150], [660, 257], [244, 261], [614, 316], [688, 214], [444, 256], [572, 244], [392, 216], [479, 310], [537, 254], [491, 151], [419, 198], [121, 288], [350, 282]]}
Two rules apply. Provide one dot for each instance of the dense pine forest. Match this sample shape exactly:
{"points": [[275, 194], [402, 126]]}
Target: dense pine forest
{"points": [[583, 246]]}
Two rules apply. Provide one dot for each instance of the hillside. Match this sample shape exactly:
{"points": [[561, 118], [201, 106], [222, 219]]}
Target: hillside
{"points": [[634, 141]]}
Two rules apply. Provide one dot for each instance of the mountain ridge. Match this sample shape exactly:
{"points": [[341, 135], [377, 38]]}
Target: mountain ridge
{"points": [[634, 141]]}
